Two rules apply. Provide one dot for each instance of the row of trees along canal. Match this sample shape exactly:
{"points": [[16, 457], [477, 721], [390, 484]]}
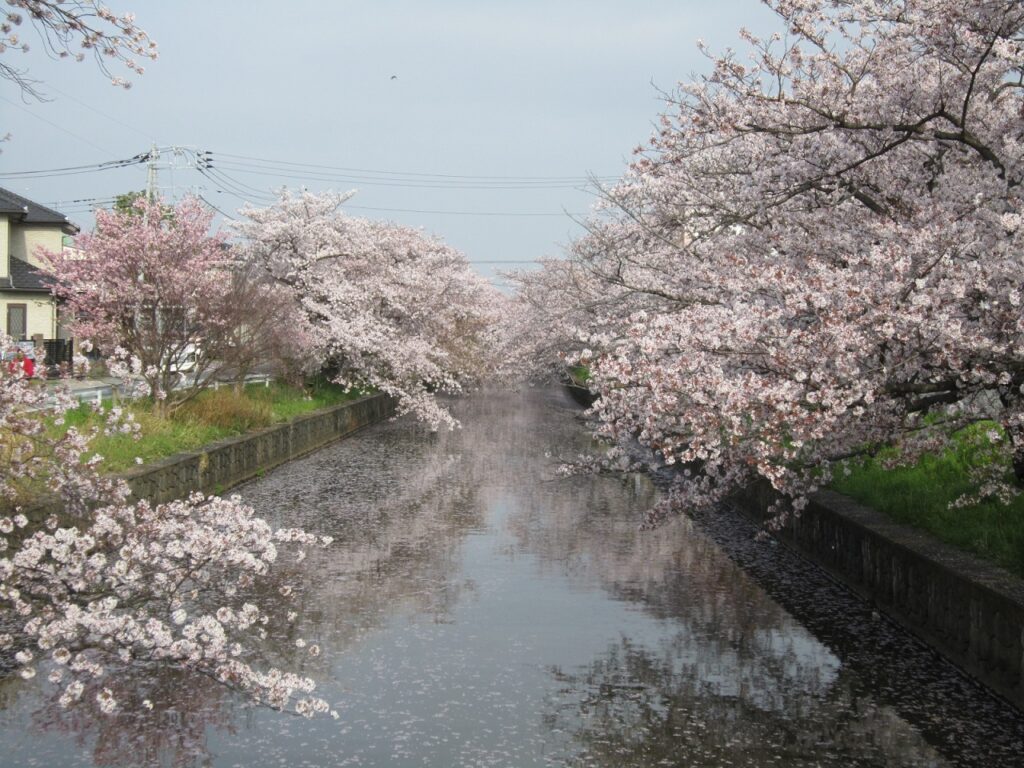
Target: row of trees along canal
{"points": [[819, 247], [107, 582], [818, 253]]}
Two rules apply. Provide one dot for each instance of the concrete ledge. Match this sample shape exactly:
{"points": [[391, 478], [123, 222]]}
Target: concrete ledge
{"points": [[967, 609], [224, 464]]}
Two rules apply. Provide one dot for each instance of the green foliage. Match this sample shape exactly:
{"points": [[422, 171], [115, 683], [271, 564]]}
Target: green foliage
{"points": [[286, 401], [920, 495], [211, 416], [126, 203], [580, 374]]}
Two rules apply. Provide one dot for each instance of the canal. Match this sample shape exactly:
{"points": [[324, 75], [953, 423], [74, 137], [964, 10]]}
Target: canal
{"points": [[476, 609]]}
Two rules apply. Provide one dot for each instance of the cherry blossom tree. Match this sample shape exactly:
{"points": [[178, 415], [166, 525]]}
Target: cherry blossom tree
{"points": [[152, 284], [261, 324], [91, 583], [74, 29], [387, 306], [820, 251]]}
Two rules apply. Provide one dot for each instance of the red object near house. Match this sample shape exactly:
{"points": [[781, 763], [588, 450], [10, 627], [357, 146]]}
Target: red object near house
{"points": [[28, 365]]}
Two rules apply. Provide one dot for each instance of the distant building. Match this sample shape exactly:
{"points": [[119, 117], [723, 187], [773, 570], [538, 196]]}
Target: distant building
{"points": [[27, 308]]}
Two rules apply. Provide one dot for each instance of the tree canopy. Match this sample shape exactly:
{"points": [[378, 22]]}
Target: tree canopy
{"points": [[818, 252]]}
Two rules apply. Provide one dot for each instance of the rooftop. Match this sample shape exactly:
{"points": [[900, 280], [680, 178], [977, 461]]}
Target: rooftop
{"points": [[29, 212]]}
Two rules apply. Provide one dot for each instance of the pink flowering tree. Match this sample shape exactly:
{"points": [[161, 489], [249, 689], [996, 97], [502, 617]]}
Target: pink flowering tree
{"points": [[92, 584], [820, 252], [153, 287], [553, 317], [73, 29], [386, 306]]}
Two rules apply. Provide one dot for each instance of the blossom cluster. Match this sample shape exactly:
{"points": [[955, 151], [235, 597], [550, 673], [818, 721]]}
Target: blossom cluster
{"points": [[153, 289], [76, 29], [91, 582], [386, 306], [819, 252]]}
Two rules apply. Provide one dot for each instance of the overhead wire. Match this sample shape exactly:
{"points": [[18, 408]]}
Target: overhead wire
{"points": [[459, 213], [375, 181], [74, 170], [215, 208], [411, 174], [210, 166], [101, 113], [57, 126]]}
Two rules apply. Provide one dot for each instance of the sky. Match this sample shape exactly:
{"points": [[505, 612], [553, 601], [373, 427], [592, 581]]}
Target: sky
{"points": [[483, 123]]}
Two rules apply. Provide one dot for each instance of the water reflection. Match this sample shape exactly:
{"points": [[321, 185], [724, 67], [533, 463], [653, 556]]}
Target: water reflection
{"points": [[475, 609], [637, 706], [172, 733]]}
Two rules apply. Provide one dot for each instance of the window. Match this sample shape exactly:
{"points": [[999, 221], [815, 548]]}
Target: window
{"points": [[17, 321]]}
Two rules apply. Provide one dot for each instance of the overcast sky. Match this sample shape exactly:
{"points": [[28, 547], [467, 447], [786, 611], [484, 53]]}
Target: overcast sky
{"points": [[423, 98]]}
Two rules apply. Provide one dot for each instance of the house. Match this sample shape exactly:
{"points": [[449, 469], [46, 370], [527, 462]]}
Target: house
{"points": [[27, 309]]}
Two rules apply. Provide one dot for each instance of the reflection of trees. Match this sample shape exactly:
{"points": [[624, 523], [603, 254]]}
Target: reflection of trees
{"points": [[172, 733], [802, 670], [636, 707], [731, 634], [724, 674], [399, 501], [398, 507]]}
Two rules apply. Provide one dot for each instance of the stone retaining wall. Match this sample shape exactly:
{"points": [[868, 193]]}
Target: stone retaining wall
{"points": [[970, 611], [227, 463]]}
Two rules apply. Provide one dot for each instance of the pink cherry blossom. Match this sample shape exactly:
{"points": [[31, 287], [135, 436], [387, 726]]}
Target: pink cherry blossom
{"points": [[386, 306], [111, 583], [820, 246]]}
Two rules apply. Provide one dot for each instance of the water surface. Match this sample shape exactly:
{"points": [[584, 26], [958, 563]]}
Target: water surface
{"points": [[476, 609]]}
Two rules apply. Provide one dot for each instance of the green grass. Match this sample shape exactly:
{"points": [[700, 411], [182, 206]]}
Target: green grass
{"points": [[580, 374], [920, 495], [211, 416], [287, 402]]}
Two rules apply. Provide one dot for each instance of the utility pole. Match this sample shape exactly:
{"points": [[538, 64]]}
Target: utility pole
{"points": [[154, 156]]}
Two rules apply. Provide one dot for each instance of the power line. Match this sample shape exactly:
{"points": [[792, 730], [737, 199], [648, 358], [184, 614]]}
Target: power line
{"points": [[463, 177], [215, 208], [375, 181], [246, 192], [55, 125], [73, 170], [111, 118], [459, 213], [207, 164]]}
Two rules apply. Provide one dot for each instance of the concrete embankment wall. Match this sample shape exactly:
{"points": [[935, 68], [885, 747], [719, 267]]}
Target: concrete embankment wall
{"points": [[970, 611], [221, 465]]}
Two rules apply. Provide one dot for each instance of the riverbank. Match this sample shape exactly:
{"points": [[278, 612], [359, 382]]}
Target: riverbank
{"points": [[213, 415], [963, 606], [223, 464], [966, 608]]}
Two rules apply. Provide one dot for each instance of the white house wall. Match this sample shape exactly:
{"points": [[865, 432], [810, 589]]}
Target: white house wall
{"points": [[5, 239], [26, 239], [40, 313]]}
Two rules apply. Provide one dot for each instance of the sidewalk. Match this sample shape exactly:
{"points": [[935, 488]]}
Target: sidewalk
{"points": [[85, 389], [102, 387]]}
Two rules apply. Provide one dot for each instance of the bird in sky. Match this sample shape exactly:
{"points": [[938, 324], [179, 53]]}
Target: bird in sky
{"points": [[394, 77]]}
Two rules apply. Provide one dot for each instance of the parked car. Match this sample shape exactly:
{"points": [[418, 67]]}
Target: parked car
{"points": [[186, 360]]}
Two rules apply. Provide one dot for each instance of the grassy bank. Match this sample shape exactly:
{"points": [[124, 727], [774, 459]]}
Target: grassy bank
{"points": [[920, 496], [211, 416]]}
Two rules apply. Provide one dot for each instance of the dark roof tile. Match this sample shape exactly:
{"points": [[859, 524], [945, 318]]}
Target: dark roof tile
{"points": [[26, 277], [33, 213]]}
